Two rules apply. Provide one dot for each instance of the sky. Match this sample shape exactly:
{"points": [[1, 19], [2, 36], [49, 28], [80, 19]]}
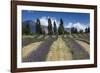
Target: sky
{"points": [[79, 20]]}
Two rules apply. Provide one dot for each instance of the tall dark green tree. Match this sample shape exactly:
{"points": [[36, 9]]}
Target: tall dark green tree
{"points": [[28, 30], [87, 30], [38, 27], [81, 31], [74, 30], [23, 29], [26, 27], [55, 28], [50, 32], [61, 27]]}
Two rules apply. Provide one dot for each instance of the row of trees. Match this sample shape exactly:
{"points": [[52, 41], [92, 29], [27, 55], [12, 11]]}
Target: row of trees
{"points": [[74, 30], [54, 30], [51, 29]]}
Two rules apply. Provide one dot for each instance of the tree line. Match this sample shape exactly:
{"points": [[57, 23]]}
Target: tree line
{"points": [[74, 30], [51, 28]]}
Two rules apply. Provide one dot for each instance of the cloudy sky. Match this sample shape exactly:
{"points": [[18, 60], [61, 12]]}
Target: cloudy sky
{"points": [[78, 20]]}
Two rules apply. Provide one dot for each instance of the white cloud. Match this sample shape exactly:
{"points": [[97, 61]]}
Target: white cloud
{"points": [[69, 25], [44, 20], [77, 25], [56, 21]]}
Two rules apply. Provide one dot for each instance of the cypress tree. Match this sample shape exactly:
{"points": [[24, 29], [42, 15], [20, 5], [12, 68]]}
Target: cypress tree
{"points": [[86, 30], [61, 27], [50, 32], [81, 31], [55, 28], [38, 27], [27, 29]]}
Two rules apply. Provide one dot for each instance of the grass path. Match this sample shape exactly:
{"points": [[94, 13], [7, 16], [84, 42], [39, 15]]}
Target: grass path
{"points": [[77, 50], [55, 48], [41, 51], [32, 39], [26, 50], [59, 51], [84, 45], [81, 37]]}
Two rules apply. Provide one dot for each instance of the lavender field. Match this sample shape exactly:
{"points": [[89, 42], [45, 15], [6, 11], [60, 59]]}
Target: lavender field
{"points": [[55, 48]]}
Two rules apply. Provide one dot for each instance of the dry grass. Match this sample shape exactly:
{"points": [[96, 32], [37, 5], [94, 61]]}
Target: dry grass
{"points": [[59, 51], [84, 45], [28, 36], [26, 50]]}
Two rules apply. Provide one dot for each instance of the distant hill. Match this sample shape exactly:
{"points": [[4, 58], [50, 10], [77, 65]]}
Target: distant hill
{"points": [[33, 25], [67, 29]]}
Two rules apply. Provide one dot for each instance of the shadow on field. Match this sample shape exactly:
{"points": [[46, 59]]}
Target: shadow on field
{"points": [[26, 41], [78, 52], [41, 52]]}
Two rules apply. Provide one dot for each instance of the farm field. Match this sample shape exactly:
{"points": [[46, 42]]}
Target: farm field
{"points": [[36, 48]]}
